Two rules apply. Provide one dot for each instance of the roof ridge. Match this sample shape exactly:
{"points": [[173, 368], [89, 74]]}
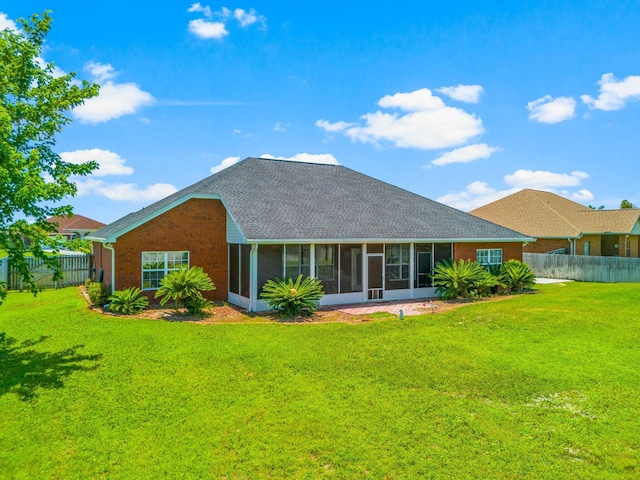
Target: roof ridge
{"points": [[546, 204]]}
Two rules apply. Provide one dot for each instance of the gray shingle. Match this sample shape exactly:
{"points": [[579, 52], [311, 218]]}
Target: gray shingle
{"points": [[278, 199]]}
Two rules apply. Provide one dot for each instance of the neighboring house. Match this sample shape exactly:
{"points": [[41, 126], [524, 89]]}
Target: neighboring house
{"points": [[563, 226], [263, 219], [75, 226]]}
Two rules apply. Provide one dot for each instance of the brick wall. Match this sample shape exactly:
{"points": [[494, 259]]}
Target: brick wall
{"points": [[467, 251], [198, 226], [101, 262]]}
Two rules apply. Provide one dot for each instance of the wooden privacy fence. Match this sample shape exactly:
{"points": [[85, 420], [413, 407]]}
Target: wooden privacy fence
{"points": [[4, 270], [584, 269], [75, 270]]}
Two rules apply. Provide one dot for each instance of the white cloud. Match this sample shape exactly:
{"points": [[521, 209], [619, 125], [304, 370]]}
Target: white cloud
{"points": [[477, 194], [124, 191], [205, 29], [6, 23], [248, 18], [109, 163], [614, 93], [196, 7], [280, 127], [544, 180], [582, 195], [227, 162], [323, 158], [430, 124], [114, 101], [101, 72], [551, 110], [466, 154], [208, 28], [463, 93]]}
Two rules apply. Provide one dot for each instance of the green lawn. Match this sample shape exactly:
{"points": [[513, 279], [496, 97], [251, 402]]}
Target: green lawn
{"points": [[538, 386]]}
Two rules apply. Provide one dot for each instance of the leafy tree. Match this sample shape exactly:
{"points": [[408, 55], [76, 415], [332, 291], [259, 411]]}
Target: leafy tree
{"points": [[34, 103], [627, 204], [77, 245]]}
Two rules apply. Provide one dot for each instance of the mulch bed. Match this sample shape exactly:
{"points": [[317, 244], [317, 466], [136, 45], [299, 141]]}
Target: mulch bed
{"points": [[226, 313]]}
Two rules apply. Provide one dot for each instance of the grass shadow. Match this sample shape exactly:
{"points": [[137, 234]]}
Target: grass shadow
{"points": [[24, 371]]}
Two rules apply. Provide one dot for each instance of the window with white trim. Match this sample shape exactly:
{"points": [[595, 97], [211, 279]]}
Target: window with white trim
{"points": [[157, 265], [297, 260], [397, 261], [489, 256]]}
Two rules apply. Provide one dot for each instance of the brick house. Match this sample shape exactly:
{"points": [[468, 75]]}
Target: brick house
{"points": [[262, 219], [75, 226], [564, 226]]}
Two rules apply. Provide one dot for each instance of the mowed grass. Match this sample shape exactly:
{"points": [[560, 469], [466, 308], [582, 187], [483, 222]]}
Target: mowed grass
{"points": [[538, 386]]}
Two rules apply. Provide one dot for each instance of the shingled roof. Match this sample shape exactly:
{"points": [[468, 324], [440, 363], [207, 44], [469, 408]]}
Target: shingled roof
{"points": [[294, 201], [75, 222], [547, 215]]}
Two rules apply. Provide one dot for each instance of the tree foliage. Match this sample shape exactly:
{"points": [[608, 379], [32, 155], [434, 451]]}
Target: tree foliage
{"points": [[627, 204], [34, 105]]}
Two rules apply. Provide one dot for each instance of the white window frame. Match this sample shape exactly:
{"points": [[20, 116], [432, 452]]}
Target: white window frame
{"points": [[300, 265], [165, 266], [491, 254], [402, 261]]}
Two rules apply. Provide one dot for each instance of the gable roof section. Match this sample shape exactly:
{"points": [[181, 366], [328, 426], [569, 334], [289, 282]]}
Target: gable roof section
{"points": [[547, 215], [279, 200], [75, 222]]}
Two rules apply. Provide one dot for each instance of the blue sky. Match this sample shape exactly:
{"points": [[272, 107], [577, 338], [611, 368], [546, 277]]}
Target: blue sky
{"points": [[461, 102]]}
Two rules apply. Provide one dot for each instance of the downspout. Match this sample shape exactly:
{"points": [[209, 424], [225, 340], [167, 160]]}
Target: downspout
{"points": [[109, 246]]}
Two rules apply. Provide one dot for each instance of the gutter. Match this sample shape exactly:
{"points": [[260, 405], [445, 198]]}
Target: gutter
{"points": [[109, 246]]}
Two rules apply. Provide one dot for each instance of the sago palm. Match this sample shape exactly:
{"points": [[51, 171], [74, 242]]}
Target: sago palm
{"points": [[293, 298], [184, 285]]}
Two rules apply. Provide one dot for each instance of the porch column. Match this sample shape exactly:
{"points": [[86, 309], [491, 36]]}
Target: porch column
{"points": [[411, 268], [253, 278]]}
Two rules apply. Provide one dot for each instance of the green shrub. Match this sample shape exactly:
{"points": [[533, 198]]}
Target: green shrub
{"points": [[128, 301], [517, 276], [197, 305], [88, 282], [462, 279], [293, 298], [98, 293], [184, 285]]}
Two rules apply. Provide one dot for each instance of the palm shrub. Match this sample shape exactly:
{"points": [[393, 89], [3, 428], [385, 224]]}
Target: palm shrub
{"points": [[516, 276], [197, 305], [462, 279], [184, 285], [128, 301], [293, 298]]}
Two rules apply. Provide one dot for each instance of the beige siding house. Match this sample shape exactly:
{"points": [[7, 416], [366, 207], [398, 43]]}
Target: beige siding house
{"points": [[561, 225]]}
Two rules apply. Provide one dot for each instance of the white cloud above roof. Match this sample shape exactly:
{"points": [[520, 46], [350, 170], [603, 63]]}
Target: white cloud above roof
{"points": [[322, 158], [124, 191], [214, 25], [477, 194], [109, 163], [551, 110], [466, 154], [7, 23], [463, 93], [543, 180], [614, 93], [428, 124], [114, 100], [227, 162]]}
